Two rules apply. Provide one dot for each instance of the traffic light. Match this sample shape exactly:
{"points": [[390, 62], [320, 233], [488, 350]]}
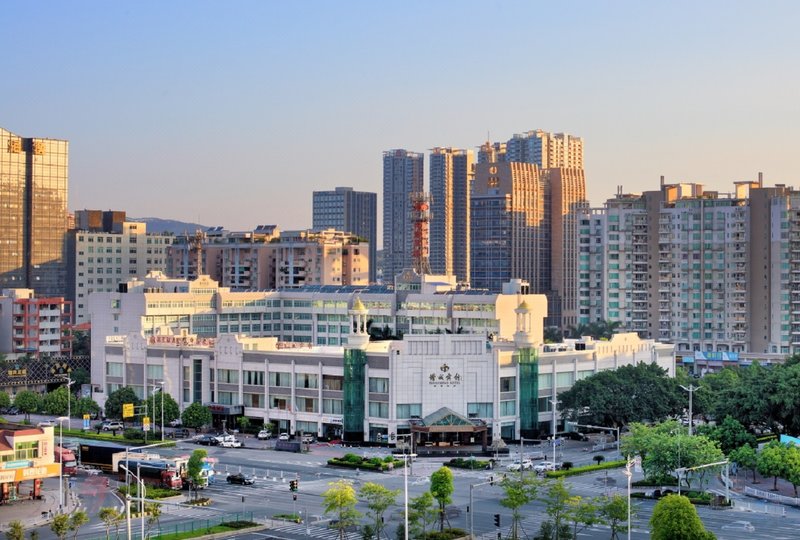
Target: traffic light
{"points": [[497, 520], [292, 485], [294, 496], [491, 480]]}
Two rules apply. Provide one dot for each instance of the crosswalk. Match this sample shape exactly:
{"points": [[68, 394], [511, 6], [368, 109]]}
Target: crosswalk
{"points": [[313, 531]]}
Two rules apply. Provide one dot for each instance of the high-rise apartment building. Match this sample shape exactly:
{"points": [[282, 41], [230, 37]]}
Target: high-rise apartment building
{"points": [[33, 220], [105, 250], [33, 325], [403, 174], [709, 272], [450, 184], [350, 211], [547, 150]]}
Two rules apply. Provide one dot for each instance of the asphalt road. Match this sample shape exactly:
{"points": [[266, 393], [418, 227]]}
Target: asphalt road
{"points": [[270, 495]]}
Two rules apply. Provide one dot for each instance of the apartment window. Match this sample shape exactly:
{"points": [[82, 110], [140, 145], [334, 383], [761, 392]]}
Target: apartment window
{"points": [[332, 382], [226, 398], [407, 410], [306, 380], [332, 406], [114, 369], [253, 378], [253, 400], [278, 378], [379, 385], [305, 404], [378, 409], [279, 402], [508, 384]]}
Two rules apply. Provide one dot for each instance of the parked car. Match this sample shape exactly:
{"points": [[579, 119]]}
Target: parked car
{"points": [[176, 423], [536, 455], [739, 526], [112, 425], [230, 442], [207, 440], [46, 423], [526, 465], [264, 434], [181, 433], [283, 436], [240, 478], [308, 439], [543, 466]]}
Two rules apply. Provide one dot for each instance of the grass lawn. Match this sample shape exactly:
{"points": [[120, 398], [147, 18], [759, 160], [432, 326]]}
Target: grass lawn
{"points": [[221, 528]]}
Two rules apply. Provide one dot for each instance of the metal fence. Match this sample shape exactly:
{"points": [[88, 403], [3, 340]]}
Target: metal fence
{"points": [[199, 525], [770, 496]]}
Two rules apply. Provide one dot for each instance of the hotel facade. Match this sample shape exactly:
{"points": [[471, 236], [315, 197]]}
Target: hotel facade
{"points": [[472, 357]]}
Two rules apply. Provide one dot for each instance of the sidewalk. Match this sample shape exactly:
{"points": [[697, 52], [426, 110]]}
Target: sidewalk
{"points": [[36, 513]]}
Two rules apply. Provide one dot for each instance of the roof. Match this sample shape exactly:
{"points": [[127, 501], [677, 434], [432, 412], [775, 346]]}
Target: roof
{"points": [[446, 420]]}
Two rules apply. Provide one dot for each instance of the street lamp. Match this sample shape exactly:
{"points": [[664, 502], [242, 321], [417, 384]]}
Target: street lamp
{"points": [[60, 421], [405, 490], [631, 462], [691, 390], [69, 399], [141, 498], [554, 403], [161, 384]]}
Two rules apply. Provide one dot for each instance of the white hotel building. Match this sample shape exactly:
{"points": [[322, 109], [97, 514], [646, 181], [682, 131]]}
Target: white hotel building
{"points": [[472, 360]]}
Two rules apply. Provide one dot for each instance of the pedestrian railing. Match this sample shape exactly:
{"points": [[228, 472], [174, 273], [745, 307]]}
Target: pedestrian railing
{"points": [[770, 496]]}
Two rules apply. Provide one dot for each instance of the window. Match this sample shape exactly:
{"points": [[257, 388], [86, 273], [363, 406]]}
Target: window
{"points": [[379, 385], [226, 398], [508, 384], [332, 406], [26, 450], [305, 404], [565, 379], [278, 378], [114, 369], [332, 382], [407, 410], [480, 410], [254, 378], [155, 372], [378, 409], [306, 380], [253, 400], [508, 408], [228, 376], [279, 402]]}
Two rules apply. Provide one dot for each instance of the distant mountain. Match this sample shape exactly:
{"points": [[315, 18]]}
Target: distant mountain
{"points": [[158, 225]]}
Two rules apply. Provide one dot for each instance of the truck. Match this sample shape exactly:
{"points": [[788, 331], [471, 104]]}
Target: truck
{"points": [[100, 455], [69, 464], [160, 473]]}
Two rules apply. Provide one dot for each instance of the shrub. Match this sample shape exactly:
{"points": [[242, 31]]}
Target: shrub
{"points": [[585, 468], [352, 458], [461, 463], [567, 465], [447, 534]]}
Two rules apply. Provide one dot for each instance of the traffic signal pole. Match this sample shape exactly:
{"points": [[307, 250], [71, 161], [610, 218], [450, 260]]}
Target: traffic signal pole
{"points": [[472, 506]]}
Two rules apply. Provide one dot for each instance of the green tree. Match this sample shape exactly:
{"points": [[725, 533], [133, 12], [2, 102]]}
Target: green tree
{"points": [[632, 393], [792, 466], [119, 397], [60, 526], [746, 458], [378, 499], [56, 402], [675, 518], [171, 409], [244, 423], [442, 491], [614, 513], [5, 400], [111, 517], [81, 343], [77, 519], [421, 515], [556, 500], [85, 405], [15, 531], [772, 462], [80, 376], [730, 434], [27, 402], [743, 397], [340, 501], [194, 469], [196, 416], [518, 491], [582, 513]]}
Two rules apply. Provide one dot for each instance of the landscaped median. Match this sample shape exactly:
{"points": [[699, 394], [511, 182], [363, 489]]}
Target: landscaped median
{"points": [[130, 436], [586, 469], [353, 461], [213, 531]]}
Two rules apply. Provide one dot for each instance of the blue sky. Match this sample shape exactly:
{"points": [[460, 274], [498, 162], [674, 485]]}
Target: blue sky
{"points": [[232, 113]]}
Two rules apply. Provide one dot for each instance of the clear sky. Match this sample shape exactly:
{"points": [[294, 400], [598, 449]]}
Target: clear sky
{"points": [[232, 113]]}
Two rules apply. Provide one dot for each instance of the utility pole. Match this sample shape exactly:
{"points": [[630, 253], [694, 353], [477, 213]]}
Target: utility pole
{"points": [[691, 389], [471, 506]]}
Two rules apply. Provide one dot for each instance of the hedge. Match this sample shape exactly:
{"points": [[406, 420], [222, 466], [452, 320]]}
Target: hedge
{"points": [[586, 468], [354, 461], [461, 463], [107, 436]]}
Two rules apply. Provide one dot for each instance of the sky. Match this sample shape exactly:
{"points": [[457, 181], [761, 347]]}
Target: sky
{"points": [[232, 113]]}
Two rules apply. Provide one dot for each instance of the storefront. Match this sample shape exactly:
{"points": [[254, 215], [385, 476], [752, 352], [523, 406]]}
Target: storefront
{"points": [[26, 482], [224, 416], [26, 458]]}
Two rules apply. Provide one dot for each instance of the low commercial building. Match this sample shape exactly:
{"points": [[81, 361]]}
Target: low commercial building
{"points": [[26, 459]]}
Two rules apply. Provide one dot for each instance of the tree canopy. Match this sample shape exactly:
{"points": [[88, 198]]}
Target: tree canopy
{"points": [[675, 518], [339, 500], [27, 402], [614, 398], [119, 397], [196, 416], [442, 491]]}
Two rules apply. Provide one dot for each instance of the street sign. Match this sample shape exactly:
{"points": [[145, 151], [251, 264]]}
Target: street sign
{"points": [[146, 423], [85, 421], [127, 410]]}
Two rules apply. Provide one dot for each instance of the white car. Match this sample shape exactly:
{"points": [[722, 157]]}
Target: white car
{"points": [[176, 423], [739, 526], [543, 466], [46, 423], [308, 439], [283, 437], [515, 467], [231, 443], [264, 434]]}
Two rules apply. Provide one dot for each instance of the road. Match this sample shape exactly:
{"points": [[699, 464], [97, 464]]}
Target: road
{"points": [[273, 470]]}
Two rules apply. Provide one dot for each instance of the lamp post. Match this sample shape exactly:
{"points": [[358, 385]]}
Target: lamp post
{"points": [[60, 421], [140, 498], [405, 491], [554, 403], [161, 384], [691, 390], [69, 399], [631, 462]]}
